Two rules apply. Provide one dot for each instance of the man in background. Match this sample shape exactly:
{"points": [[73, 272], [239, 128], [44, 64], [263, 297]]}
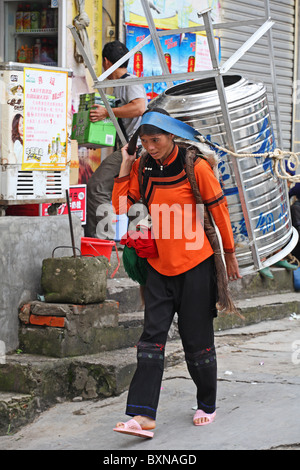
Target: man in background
{"points": [[132, 104]]}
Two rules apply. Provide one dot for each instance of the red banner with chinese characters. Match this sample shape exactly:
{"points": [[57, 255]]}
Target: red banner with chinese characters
{"points": [[77, 195]]}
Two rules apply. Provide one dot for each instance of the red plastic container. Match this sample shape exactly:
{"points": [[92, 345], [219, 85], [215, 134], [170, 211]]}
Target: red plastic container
{"points": [[98, 247]]}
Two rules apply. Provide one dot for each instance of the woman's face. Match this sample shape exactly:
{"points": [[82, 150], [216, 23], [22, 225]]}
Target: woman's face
{"points": [[159, 146], [20, 126]]}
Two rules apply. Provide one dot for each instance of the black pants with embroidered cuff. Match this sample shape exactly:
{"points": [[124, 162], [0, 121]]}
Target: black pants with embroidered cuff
{"points": [[193, 296]]}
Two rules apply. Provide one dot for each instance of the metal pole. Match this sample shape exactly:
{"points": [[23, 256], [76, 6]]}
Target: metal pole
{"points": [[229, 134], [70, 223], [246, 46], [273, 78], [94, 77], [156, 40], [158, 78]]}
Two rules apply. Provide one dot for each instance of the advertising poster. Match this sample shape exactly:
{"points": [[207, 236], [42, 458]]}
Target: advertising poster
{"points": [[11, 117], [171, 14], [177, 50], [196, 6], [45, 122], [141, 63], [187, 52], [171, 49], [202, 56], [164, 13]]}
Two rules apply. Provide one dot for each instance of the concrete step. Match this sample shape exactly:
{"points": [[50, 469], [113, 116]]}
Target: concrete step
{"points": [[63, 330], [40, 380], [262, 308], [255, 285], [16, 410], [44, 381], [253, 310], [95, 328], [127, 292]]}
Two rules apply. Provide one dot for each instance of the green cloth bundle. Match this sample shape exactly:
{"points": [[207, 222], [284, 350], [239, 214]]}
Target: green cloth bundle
{"points": [[134, 265]]}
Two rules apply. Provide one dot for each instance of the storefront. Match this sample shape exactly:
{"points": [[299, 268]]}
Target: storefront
{"points": [[35, 38]]}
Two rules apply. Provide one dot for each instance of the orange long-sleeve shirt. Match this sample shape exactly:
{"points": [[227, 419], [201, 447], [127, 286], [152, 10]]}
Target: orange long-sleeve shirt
{"points": [[176, 220]]}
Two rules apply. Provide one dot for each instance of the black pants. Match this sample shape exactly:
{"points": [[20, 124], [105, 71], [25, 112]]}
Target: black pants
{"points": [[193, 296]]}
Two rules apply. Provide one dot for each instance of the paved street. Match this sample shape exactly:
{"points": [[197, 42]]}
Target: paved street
{"points": [[258, 403]]}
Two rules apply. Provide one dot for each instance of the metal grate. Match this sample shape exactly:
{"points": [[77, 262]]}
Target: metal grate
{"points": [[29, 183], [25, 183], [54, 183]]}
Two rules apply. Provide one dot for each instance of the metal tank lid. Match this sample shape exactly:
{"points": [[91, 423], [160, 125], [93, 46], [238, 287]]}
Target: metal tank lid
{"points": [[202, 95]]}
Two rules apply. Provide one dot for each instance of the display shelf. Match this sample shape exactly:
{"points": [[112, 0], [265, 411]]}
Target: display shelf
{"points": [[40, 32]]}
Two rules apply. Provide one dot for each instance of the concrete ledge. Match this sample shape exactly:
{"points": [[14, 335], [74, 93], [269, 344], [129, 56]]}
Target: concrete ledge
{"points": [[259, 309], [44, 380], [127, 292], [25, 242], [87, 329], [16, 410]]}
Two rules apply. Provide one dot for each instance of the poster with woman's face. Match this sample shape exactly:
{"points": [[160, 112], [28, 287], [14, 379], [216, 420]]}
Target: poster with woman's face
{"points": [[11, 114]]}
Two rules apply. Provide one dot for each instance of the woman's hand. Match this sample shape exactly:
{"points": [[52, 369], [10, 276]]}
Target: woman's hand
{"points": [[232, 267], [127, 161]]}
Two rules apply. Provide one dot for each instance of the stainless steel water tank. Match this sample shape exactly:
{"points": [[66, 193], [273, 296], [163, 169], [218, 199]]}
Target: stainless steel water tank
{"points": [[265, 196]]}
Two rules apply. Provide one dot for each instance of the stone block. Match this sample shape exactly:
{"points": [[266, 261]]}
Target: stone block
{"points": [[87, 329], [80, 280]]}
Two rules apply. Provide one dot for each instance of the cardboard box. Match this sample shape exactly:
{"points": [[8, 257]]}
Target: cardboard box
{"points": [[87, 132]]}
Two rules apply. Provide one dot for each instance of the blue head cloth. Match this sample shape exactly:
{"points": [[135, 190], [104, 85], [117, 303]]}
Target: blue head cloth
{"points": [[170, 124]]}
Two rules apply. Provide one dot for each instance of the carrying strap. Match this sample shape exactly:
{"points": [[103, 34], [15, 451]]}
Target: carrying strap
{"points": [[225, 302]]}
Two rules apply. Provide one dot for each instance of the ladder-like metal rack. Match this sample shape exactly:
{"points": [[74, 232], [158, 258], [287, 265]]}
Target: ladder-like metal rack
{"points": [[264, 25]]}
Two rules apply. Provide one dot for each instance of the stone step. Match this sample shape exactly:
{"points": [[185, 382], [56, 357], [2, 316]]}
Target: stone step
{"points": [[82, 329], [95, 328], [262, 308], [255, 285], [16, 410], [253, 310], [127, 292], [44, 381]]}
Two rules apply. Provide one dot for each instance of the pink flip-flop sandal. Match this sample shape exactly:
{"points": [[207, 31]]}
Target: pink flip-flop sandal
{"points": [[133, 428], [200, 414]]}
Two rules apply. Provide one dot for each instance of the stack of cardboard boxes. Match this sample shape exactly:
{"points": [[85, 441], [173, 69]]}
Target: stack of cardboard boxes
{"points": [[87, 132]]}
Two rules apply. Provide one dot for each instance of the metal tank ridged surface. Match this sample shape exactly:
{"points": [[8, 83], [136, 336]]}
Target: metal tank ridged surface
{"points": [[266, 200]]}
